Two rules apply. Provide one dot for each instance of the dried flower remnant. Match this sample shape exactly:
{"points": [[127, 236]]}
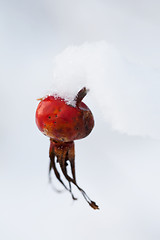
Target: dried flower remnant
{"points": [[65, 123]]}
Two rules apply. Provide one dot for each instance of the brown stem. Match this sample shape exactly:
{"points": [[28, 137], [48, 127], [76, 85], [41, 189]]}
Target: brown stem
{"points": [[80, 95]]}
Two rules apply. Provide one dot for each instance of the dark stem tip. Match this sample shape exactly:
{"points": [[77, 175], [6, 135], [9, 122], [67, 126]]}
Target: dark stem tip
{"points": [[93, 205]]}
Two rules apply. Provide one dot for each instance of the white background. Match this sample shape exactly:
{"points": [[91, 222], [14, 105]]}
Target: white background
{"points": [[118, 164]]}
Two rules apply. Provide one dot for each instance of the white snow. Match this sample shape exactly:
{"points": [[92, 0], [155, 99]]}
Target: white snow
{"points": [[127, 91]]}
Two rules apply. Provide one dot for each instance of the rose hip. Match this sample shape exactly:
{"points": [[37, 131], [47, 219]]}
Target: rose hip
{"points": [[64, 123]]}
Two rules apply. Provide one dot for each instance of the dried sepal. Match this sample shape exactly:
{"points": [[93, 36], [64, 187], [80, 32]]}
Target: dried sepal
{"points": [[64, 152], [93, 205]]}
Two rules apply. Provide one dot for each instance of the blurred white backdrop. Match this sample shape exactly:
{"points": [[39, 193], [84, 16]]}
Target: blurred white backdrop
{"points": [[118, 164]]}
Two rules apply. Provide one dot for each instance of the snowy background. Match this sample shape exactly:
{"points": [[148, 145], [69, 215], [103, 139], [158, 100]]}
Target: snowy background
{"points": [[112, 47]]}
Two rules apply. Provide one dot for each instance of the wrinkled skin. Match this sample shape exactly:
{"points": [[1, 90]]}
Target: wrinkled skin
{"points": [[64, 123]]}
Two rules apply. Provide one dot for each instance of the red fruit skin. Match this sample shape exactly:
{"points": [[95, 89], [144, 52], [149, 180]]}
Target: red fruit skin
{"points": [[62, 122]]}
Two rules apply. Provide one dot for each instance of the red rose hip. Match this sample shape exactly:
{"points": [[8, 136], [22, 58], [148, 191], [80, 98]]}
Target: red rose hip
{"points": [[64, 123]]}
